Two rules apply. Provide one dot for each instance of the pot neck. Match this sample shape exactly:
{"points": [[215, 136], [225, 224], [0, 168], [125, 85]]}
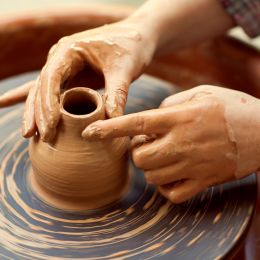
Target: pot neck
{"points": [[79, 108]]}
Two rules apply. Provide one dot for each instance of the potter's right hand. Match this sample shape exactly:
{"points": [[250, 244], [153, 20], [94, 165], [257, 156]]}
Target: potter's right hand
{"points": [[197, 138], [119, 51]]}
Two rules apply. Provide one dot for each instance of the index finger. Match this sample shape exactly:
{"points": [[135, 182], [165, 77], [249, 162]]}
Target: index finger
{"points": [[153, 121]]}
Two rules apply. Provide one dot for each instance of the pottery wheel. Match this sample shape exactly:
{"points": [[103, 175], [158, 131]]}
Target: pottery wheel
{"points": [[142, 225]]}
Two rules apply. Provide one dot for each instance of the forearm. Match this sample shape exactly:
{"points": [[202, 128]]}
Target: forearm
{"points": [[178, 24], [246, 134]]}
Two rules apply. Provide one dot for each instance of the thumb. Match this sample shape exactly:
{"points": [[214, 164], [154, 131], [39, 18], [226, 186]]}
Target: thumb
{"points": [[116, 91]]}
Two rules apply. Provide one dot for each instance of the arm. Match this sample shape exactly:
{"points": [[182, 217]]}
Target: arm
{"points": [[179, 24]]}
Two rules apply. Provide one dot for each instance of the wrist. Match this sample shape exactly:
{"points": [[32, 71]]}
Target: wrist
{"points": [[145, 40], [257, 126], [144, 26], [247, 136], [180, 24]]}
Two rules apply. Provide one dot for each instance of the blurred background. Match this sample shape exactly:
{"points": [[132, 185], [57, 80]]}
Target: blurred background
{"points": [[14, 6], [11, 5]]}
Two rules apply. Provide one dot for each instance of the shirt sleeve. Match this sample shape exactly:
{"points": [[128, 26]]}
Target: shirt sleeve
{"points": [[246, 14]]}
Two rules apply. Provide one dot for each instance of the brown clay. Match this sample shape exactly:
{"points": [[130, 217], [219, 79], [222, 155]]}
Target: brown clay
{"points": [[72, 173]]}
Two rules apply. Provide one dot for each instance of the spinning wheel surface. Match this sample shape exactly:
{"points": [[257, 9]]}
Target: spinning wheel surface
{"points": [[142, 225]]}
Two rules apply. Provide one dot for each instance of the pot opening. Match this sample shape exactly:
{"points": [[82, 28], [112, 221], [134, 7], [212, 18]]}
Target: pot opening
{"points": [[79, 103]]}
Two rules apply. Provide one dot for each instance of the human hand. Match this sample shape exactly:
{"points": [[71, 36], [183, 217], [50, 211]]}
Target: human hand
{"points": [[119, 51], [196, 139]]}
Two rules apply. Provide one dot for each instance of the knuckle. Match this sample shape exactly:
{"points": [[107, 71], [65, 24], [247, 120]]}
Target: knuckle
{"points": [[64, 40], [140, 124], [165, 103], [52, 51], [204, 88], [179, 150], [121, 93]]}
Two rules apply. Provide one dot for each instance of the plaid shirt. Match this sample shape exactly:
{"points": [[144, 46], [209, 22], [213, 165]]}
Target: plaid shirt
{"points": [[246, 14]]}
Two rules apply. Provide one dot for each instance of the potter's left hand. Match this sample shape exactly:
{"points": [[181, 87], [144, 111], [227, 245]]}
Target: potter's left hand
{"points": [[118, 51], [196, 139]]}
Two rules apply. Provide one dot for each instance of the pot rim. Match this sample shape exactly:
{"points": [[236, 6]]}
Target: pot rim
{"points": [[93, 95]]}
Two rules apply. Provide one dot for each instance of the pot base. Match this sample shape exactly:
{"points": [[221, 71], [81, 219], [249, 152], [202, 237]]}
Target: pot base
{"points": [[78, 203]]}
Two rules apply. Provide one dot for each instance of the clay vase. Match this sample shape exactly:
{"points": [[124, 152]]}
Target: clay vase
{"points": [[72, 173]]}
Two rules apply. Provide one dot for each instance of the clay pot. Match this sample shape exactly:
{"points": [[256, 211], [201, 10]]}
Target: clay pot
{"points": [[74, 174]]}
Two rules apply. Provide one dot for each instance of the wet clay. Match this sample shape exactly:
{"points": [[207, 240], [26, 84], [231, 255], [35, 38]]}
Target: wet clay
{"points": [[71, 173]]}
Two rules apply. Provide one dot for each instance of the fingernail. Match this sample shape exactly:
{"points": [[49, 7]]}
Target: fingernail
{"points": [[115, 112], [25, 132], [92, 132], [25, 129], [28, 132]]}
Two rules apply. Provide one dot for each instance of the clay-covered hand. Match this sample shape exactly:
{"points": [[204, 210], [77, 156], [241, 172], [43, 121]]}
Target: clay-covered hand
{"points": [[197, 138], [119, 51]]}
